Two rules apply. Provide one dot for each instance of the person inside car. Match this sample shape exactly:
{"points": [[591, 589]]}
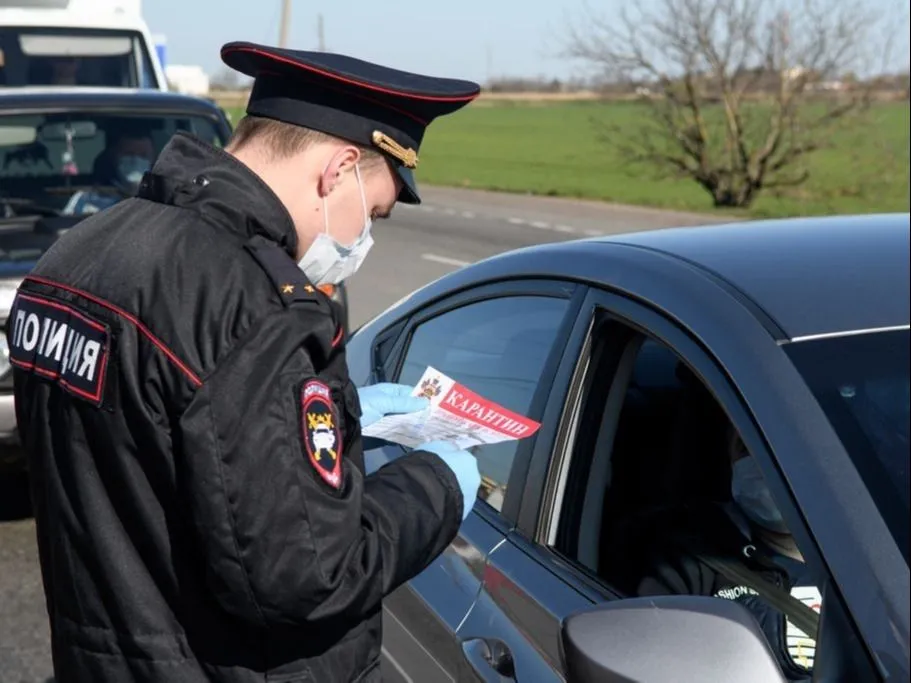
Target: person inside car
{"points": [[736, 546], [130, 152], [119, 169]]}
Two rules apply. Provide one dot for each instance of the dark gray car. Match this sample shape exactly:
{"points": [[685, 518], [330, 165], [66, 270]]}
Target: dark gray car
{"points": [[797, 330]]}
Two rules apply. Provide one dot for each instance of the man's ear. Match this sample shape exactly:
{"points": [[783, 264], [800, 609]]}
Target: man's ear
{"points": [[340, 163]]}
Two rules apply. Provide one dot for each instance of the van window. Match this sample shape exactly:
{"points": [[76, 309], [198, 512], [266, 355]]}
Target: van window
{"points": [[42, 56]]}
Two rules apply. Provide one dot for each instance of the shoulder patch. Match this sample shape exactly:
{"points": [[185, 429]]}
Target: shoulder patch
{"points": [[56, 341], [289, 281], [321, 433]]}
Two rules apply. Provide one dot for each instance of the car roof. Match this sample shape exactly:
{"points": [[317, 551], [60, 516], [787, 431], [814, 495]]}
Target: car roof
{"points": [[813, 276], [53, 97], [800, 278]]}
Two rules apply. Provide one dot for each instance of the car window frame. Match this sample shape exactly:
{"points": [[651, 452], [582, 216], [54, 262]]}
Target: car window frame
{"points": [[399, 333], [654, 324]]}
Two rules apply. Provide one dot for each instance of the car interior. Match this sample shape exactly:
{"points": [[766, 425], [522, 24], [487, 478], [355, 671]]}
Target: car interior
{"points": [[90, 58], [657, 471], [661, 448], [116, 71], [38, 169], [660, 445], [46, 157]]}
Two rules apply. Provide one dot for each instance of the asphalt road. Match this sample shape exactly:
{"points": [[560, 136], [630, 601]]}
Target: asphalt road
{"points": [[415, 246], [452, 228]]}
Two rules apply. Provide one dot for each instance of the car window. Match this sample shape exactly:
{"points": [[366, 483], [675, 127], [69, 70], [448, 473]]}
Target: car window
{"points": [[498, 348], [70, 162], [862, 383], [57, 56], [663, 496]]}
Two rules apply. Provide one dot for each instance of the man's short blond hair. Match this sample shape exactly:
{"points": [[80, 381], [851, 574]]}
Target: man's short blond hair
{"points": [[282, 140]]}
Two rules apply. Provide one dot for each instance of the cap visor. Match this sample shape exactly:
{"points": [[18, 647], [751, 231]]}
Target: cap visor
{"points": [[409, 193]]}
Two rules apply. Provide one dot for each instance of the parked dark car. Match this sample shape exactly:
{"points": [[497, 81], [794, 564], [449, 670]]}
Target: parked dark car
{"points": [[796, 331], [19, 250], [55, 169]]}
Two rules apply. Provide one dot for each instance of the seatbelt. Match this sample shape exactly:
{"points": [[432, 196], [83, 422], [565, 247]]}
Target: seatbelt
{"points": [[798, 613]]}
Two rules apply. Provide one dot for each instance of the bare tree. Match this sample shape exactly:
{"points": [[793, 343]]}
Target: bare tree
{"points": [[739, 91]]}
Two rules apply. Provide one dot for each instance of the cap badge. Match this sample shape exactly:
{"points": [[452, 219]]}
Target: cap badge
{"points": [[407, 156]]}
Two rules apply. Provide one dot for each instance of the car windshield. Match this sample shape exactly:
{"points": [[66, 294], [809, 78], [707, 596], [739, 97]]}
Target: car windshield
{"points": [[862, 383], [79, 162], [74, 57]]}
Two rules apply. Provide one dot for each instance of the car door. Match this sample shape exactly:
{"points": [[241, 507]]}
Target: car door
{"points": [[552, 563], [513, 630], [502, 340]]}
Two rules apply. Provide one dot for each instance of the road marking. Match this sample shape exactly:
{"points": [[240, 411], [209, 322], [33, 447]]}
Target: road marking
{"points": [[514, 220], [445, 260]]}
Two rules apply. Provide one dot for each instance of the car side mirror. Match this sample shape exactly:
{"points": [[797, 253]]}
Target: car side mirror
{"points": [[666, 638]]}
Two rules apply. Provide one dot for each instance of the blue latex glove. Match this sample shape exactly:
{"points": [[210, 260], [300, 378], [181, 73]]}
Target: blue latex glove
{"points": [[379, 400], [465, 467]]}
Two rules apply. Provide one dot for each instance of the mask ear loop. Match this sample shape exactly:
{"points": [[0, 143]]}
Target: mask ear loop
{"points": [[360, 184], [326, 205]]}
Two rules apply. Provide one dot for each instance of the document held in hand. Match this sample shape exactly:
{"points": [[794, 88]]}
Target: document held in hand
{"points": [[456, 414]]}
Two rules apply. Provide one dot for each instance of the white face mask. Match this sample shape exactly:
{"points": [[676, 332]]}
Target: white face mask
{"points": [[327, 261]]}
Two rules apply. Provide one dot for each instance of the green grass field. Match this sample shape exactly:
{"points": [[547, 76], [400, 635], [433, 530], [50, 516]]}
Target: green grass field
{"points": [[554, 149]]}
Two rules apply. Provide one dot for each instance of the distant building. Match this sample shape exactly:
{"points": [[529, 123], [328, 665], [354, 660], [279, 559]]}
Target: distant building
{"points": [[188, 79]]}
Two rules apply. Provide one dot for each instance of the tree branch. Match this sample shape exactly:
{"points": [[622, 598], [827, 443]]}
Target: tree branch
{"points": [[766, 62]]}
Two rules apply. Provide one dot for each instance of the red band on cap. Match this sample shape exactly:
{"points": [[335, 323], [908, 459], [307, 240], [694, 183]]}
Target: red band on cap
{"points": [[351, 81]]}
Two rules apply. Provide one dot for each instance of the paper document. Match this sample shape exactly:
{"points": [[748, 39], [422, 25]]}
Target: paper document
{"points": [[456, 414]]}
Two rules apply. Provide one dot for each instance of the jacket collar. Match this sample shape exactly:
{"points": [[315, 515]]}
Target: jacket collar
{"points": [[196, 176]]}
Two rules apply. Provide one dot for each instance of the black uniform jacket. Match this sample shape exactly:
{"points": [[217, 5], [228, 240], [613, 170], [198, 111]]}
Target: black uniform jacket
{"points": [[194, 446]]}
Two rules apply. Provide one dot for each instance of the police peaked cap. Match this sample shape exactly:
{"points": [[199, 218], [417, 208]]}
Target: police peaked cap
{"points": [[368, 104]]}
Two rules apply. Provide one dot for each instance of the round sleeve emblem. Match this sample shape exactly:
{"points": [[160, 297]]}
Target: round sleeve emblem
{"points": [[320, 431]]}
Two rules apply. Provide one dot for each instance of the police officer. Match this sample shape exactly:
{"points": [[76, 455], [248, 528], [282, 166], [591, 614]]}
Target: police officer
{"points": [[194, 440]]}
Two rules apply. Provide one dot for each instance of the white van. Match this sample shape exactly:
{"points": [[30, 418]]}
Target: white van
{"points": [[96, 43]]}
